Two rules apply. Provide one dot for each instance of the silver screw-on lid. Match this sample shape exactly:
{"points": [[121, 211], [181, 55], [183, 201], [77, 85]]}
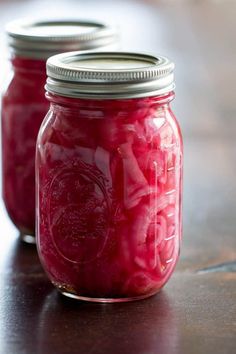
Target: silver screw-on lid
{"points": [[42, 39], [108, 75]]}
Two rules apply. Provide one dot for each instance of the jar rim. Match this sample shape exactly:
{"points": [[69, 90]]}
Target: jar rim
{"points": [[108, 75], [44, 38]]}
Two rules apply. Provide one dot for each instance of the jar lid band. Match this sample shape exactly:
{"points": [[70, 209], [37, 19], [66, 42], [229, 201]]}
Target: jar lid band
{"points": [[42, 39], [108, 75]]}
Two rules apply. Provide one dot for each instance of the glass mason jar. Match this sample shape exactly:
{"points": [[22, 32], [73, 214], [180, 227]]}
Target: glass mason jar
{"points": [[109, 176], [24, 104]]}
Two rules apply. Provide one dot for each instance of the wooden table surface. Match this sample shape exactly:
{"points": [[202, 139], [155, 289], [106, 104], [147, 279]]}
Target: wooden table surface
{"points": [[196, 312]]}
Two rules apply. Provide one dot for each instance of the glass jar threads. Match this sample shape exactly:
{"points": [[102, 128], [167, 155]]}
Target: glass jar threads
{"points": [[109, 176], [24, 104]]}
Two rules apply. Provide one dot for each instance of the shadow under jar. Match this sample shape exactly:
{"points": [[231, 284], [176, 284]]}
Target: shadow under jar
{"points": [[24, 104], [109, 176]]}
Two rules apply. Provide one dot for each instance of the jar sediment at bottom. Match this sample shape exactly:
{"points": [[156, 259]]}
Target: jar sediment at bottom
{"points": [[126, 295], [116, 279]]}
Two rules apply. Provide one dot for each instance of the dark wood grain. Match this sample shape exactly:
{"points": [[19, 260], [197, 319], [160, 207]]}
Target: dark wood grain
{"points": [[196, 312]]}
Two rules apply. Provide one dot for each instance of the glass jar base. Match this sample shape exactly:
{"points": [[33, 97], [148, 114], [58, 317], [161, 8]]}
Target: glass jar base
{"points": [[28, 238], [107, 300]]}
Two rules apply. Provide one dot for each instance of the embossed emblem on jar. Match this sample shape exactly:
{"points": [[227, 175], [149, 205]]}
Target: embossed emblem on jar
{"points": [[79, 212]]}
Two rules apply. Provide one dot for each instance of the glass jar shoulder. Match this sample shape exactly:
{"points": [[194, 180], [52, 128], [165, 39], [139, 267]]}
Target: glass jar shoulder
{"points": [[112, 126], [46, 127], [143, 133]]}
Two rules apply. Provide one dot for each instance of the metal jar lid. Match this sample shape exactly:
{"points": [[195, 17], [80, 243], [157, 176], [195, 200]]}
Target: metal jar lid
{"points": [[108, 75], [42, 39]]}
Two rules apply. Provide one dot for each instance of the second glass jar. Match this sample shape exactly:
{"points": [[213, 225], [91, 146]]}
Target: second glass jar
{"points": [[24, 104]]}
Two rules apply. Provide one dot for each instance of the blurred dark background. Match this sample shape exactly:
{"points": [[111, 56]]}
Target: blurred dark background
{"points": [[196, 311]]}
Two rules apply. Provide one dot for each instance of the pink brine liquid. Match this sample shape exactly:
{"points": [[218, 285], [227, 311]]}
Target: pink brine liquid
{"points": [[109, 196], [24, 107]]}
